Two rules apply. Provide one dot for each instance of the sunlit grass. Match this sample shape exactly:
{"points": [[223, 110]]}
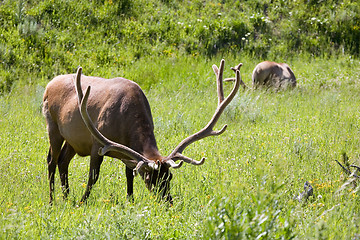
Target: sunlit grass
{"points": [[274, 143]]}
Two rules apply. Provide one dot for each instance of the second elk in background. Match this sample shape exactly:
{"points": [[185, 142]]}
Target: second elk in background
{"points": [[269, 75]]}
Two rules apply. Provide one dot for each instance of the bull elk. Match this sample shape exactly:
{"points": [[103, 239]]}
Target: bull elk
{"points": [[114, 120], [270, 75]]}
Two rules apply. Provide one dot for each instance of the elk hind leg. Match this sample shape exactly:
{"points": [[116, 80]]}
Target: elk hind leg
{"points": [[66, 154], [52, 158]]}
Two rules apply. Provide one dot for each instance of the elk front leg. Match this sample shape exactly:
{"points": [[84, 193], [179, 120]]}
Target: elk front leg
{"points": [[95, 163], [66, 154], [130, 184]]}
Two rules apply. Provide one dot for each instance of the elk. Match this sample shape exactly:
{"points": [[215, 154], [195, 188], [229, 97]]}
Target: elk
{"points": [[269, 75], [114, 120]]}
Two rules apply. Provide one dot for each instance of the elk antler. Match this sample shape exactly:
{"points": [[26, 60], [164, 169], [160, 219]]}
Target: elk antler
{"points": [[236, 68], [109, 145], [219, 80], [208, 129]]}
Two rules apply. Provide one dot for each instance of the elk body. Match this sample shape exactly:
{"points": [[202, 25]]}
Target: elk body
{"points": [[270, 75], [113, 119]]}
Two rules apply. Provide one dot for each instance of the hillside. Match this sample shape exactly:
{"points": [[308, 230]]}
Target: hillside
{"points": [[40, 39]]}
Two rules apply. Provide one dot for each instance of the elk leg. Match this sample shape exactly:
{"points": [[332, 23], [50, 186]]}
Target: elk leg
{"points": [[66, 154], [56, 141], [95, 163], [51, 174], [130, 184]]}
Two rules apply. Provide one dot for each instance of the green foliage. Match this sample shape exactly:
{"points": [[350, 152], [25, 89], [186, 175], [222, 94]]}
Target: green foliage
{"points": [[47, 38], [259, 215]]}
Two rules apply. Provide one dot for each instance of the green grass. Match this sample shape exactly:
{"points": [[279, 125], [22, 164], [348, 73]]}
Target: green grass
{"points": [[274, 143]]}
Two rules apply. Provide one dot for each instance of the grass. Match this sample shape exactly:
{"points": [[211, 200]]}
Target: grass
{"points": [[274, 143]]}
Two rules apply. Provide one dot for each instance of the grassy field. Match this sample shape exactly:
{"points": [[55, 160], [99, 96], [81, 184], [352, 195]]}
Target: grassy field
{"points": [[274, 143]]}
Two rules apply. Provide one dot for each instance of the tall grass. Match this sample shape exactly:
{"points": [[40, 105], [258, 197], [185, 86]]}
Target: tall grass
{"points": [[274, 143]]}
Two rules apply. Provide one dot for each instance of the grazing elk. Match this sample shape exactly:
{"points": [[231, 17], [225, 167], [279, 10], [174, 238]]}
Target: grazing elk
{"points": [[270, 75], [114, 120]]}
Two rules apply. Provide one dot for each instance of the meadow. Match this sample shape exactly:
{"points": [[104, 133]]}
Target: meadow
{"points": [[275, 141]]}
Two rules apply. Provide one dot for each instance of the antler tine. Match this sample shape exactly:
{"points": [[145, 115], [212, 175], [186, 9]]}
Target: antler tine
{"points": [[208, 129], [219, 80], [236, 68], [109, 145]]}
